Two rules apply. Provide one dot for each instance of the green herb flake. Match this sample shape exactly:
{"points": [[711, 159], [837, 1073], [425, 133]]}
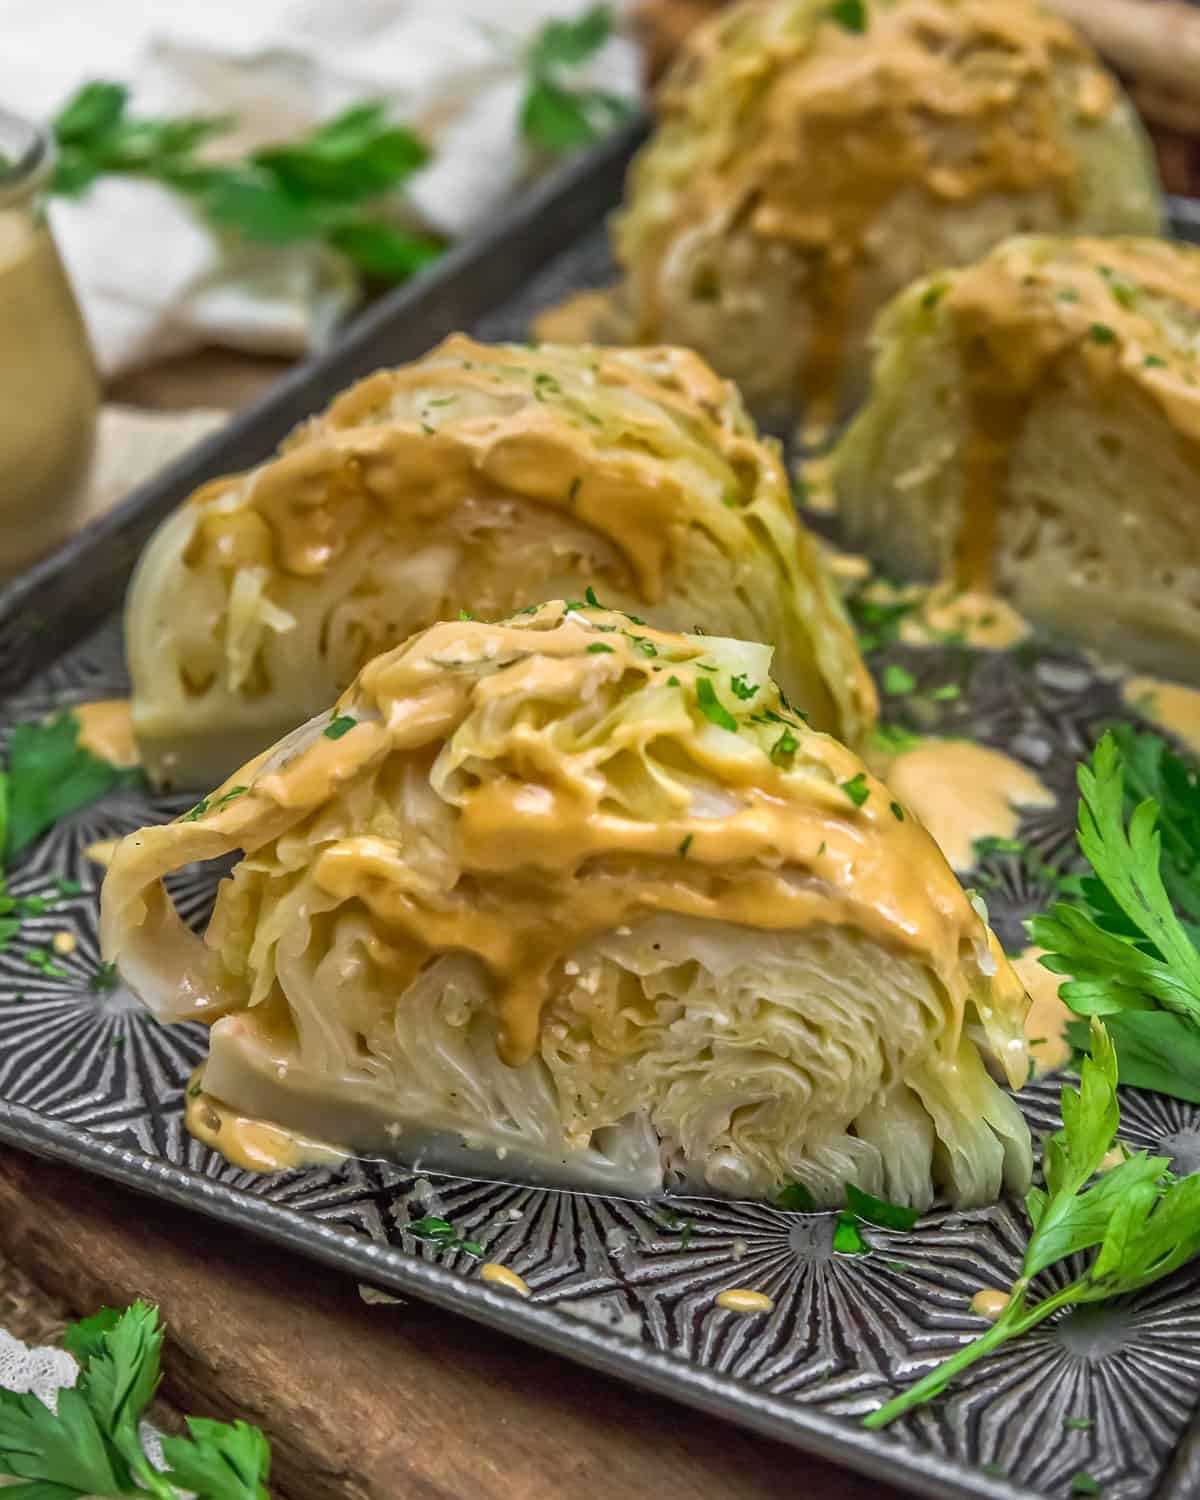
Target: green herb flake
{"points": [[431, 1227], [67, 887], [685, 845], [784, 749], [893, 739], [646, 647], [878, 1211], [194, 1091], [1068, 294], [947, 693], [231, 795], [897, 681], [589, 595], [1101, 333], [932, 295], [339, 726], [897, 812], [105, 979], [847, 1236], [598, 648], [50, 775], [1079, 1424], [712, 708], [1084, 1483], [573, 491], [1154, 362], [850, 15], [673, 681], [198, 811], [742, 687], [795, 1198], [465, 614], [856, 788], [472, 1247]]}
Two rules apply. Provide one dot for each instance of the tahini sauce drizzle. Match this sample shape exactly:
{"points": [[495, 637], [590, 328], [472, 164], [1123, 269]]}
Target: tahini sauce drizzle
{"points": [[1045, 1025], [106, 729], [962, 792], [254, 1145], [1169, 705]]}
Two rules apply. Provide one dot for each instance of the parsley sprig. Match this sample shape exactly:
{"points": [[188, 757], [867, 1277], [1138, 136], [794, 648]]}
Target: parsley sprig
{"points": [[1140, 1222], [556, 115], [1131, 941], [326, 186], [91, 1444]]}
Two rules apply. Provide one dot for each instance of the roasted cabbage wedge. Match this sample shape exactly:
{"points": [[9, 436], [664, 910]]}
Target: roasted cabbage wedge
{"points": [[1034, 428], [482, 479], [574, 899], [803, 171]]}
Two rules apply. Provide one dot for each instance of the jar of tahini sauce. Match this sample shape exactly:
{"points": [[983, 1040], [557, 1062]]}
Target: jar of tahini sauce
{"points": [[48, 387]]}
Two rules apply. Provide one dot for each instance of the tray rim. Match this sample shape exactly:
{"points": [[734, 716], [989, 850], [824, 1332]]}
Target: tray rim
{"points": [[837, 1439], [463, 285]]}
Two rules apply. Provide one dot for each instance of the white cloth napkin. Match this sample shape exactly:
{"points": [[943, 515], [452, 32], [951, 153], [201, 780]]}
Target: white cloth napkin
{"points": [[150, 278]]}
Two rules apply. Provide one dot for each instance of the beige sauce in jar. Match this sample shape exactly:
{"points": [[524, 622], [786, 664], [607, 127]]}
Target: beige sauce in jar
{"points": [[49, 394]]}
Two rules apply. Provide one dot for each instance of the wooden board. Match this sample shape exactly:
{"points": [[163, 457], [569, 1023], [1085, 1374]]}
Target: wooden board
{"points": [[379, 1402]]}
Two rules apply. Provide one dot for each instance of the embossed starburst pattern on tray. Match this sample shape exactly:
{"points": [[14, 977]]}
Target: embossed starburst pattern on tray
{"points": [[844, 1330]]}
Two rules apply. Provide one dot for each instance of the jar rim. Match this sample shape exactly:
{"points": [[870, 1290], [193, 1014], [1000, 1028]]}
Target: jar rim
{"points": [[21, 175]]}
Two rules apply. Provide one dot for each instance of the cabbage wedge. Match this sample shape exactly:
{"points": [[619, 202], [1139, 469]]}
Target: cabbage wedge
{"points": [[577, 900], [479, 478], [806, 168]]}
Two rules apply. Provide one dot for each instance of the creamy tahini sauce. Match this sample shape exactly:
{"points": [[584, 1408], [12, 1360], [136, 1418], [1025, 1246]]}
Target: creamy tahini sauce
{"points": [[979, 620], [497, 1275], [756, 93], [1169, 705], [48, 395], [990, 1303], [106, 729], [962, 792], [254, 1145], [1046, 1023], [741, 1299]]}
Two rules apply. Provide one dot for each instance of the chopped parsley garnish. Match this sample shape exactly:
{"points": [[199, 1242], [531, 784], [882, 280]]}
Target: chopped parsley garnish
{"points": [[730, 501], [1084, 1483], [796, 1198], [850, 15], [573, 492], [897, 812], [1068, 294], [878, 1211], [877, 624], [1101, 333], [104, 979], [856, 788], [898, 681], [947, 693], [1079, 1424], [712, 708], [646, 647], [544, 385], [847, 1237], [784, 749], [932, 295], [440, 1232], [742, 687], [1154, 362], [598, 648], [229, 796], [336, 728], [589, 594], [200, 809], [465, 614], [442, 401], [558, 114], [894, 739], [686, 845], [67, 887], [673, 681]]}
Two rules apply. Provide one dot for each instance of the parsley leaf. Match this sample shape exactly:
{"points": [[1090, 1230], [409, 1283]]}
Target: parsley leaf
{"points": [[556, 117], [1139, 1222], [1129, 944], [50, 775], [796, 1198], [878, 1210], [850, 14], [339, 726], [1101, 333], [742, 687], [898, 681], [220, 1460], [856, 788], [711, 706]]}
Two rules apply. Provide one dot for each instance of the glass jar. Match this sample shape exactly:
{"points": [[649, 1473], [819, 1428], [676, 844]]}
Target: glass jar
{"points": [[49, 392]]}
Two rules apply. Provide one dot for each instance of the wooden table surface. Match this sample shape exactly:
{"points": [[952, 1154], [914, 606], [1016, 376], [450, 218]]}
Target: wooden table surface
{"points": [[366, 1402]]}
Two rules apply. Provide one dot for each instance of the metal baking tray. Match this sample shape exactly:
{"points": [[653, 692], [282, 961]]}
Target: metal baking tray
{"points": [[91, 1079]]}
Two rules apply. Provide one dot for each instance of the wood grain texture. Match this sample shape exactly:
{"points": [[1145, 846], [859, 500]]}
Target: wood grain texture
{"points": [[381, 1402]]}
